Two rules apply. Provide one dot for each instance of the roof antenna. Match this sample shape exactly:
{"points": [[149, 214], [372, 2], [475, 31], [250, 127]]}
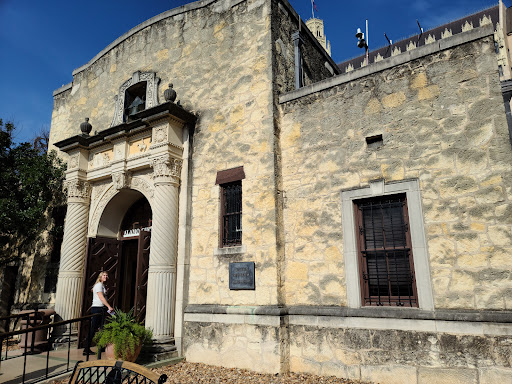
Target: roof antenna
{"points": [[421, 30], [390, 42]]}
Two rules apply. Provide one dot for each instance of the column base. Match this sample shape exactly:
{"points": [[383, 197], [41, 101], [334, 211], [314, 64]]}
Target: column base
{"points": [[161, 349]]}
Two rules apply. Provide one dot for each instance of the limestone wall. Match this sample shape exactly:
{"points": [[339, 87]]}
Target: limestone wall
{"points": [[439, 353], [218, 56], [443, 123], [234, 341]]}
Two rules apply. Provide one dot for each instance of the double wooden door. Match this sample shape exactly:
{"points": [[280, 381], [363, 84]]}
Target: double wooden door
{"points": [[128, 275]]}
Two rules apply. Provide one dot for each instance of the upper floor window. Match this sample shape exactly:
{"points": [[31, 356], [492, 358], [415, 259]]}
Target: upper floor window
{"points": [[385, 252], [230, 182]]}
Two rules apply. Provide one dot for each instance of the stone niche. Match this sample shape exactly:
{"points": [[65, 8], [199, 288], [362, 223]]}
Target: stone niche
{"points": [[143, 85]]}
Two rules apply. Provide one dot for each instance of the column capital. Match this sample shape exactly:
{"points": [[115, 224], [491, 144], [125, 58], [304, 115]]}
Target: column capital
{"points": [[78, 190], [166, 168]]}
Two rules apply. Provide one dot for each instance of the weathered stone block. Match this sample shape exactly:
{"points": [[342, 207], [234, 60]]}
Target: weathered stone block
{"points": [[447, 376], [495, 375], [391, 374]]}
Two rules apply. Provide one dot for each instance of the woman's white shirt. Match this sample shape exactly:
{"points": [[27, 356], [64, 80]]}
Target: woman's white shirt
{"points": [[98, 287]]}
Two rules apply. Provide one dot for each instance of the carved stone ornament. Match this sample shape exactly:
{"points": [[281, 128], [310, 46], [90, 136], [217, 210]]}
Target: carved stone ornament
{"points": [[141, 185], [151, 93], [170, 94], [86, 127], [467, 26], [77, 188], [160, 135], [73, 162], [165, 166], [120, 180]]}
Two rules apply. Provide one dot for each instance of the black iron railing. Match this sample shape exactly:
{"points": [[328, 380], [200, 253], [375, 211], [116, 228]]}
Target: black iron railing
{"points": [[30, 332], [12, 322]]}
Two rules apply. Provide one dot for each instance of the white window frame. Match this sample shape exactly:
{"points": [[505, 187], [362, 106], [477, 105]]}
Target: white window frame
{"points": [[417, 231]]}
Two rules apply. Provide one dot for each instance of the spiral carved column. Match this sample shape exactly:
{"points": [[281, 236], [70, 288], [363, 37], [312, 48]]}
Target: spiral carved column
{"points": [[164, 245], [69, 284]]}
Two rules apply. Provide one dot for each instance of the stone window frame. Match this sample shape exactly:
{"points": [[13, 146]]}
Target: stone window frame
{"points": [[417, 232]]}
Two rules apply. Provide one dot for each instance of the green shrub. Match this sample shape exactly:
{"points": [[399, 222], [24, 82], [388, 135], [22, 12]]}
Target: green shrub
{"points": [[123, 331]]}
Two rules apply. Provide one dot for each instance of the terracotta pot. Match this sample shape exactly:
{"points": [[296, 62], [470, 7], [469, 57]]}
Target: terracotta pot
{"points": [[109, 353]]}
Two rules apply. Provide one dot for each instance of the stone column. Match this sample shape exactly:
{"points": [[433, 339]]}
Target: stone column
{"points": [[69, 285], [164, 244]]}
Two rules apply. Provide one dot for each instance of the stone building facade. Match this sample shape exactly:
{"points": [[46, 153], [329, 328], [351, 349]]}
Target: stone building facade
{"points": [[265, 187]]}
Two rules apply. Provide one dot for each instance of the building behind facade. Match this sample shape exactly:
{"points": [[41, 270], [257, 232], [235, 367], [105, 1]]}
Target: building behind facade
{"points": [[290, 214]]}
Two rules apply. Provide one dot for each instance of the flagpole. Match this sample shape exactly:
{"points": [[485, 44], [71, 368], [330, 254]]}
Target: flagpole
{"points": [[313, 8]]}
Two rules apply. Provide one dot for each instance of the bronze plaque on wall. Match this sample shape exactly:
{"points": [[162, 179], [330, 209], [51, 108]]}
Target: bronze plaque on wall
{"points": [[241, 276]]}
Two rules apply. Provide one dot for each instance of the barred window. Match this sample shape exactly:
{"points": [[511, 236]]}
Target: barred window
{"points": [[385, 255], [230, 183], [231, 214]]}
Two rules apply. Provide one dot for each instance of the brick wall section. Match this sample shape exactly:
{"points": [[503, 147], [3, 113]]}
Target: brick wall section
{"points": [[443, 122]]}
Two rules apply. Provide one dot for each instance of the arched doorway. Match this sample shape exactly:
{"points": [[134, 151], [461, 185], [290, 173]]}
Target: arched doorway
{"points": [[125, 257]]}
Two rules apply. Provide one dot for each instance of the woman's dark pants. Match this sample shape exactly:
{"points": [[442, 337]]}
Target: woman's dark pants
{"points": [[96, 323]]}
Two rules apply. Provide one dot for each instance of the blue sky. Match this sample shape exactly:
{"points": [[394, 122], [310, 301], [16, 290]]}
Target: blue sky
{"points": [[42, 42]]}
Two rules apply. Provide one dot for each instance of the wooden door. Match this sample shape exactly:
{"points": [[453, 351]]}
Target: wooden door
{"points": [[103, 254], [142, 276]]}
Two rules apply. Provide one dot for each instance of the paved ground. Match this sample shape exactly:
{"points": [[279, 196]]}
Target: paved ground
{"points": [[11, 370]]}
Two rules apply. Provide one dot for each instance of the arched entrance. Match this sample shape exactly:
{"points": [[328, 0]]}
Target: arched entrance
{"points": [[124, 256]]}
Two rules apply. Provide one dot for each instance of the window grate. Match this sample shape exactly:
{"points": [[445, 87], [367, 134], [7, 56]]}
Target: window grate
{"points": [[385, 254], [232, 214]]}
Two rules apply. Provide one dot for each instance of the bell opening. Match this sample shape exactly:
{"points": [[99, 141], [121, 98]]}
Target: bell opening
{"points": [[134, 100]]}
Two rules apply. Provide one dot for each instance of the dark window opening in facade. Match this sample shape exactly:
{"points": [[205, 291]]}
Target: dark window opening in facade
{"points": [[135, 99], [231, 200], [385, 252]]}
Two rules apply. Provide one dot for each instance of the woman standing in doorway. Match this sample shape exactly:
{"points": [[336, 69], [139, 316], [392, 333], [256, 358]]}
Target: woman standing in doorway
{"points": [[99, 304]]}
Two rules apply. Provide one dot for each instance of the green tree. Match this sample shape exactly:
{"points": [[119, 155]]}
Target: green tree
{"points": [[30, 186]]}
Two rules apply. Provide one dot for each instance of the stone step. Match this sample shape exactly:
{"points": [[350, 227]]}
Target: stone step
{"points": [[158, 352]]}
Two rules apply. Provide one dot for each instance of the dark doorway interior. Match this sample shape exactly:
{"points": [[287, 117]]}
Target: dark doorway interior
{"points": [[126, 259], [128, 275]]}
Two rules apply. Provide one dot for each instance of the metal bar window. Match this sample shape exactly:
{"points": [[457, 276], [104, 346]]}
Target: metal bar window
{"points": [[232, 214], [386, 264]]}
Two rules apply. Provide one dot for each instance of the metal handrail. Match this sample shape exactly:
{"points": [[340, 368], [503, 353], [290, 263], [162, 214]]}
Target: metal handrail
{"points": [[18, 315], [7, 335], [56, 324], [27, 316]]}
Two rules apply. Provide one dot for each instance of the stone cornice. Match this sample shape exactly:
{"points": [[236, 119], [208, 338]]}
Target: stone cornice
{"points": [[140, 122], [426, 50], [369, 312]]}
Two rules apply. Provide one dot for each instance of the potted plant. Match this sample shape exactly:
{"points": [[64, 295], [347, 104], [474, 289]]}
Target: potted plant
{"points": [[122, 336]]}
